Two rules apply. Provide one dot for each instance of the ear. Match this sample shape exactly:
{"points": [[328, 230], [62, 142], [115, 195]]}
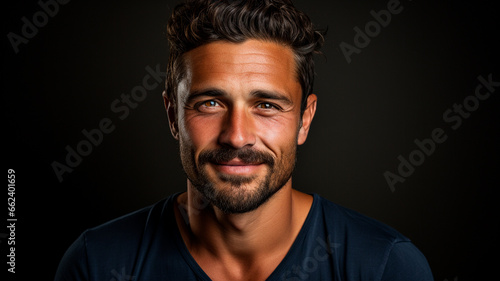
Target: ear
{"points": [[172, 117], [307, 118]]}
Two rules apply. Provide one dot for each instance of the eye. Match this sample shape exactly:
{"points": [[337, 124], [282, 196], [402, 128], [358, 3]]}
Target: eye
{"points": [[210, 103], [208, 106], [266, 105]]}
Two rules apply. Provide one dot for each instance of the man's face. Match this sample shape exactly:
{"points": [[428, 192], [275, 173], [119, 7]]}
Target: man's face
{"points": [[238, 121]]}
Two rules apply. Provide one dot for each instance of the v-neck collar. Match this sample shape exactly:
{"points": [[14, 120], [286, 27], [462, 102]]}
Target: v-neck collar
{"points": [[285, 263]]}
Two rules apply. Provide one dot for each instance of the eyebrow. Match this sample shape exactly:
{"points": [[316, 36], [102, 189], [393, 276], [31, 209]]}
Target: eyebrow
{"points": [[272, 95], [206, 93], [259, 94]]}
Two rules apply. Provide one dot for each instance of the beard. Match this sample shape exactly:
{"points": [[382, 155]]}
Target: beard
{"points": [[236, 194]]}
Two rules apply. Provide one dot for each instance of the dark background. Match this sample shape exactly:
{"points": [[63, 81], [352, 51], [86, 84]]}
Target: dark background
{"points": [[370, 111]]}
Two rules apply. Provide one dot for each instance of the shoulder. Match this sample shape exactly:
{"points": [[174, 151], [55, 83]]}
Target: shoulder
{"points": [[345, 220], [122, 229], [371, 246], [108, 248], [128, 230]]}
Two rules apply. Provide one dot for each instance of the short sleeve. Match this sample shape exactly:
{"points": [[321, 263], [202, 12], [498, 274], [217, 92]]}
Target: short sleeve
{"points": [[406, 262], [73, 265]]}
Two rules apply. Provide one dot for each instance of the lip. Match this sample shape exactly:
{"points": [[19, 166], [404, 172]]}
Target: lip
{"points": [[236, 162], [237, 167]]}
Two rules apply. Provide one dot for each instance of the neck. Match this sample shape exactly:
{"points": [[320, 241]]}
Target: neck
{"points": [[269, 230]]}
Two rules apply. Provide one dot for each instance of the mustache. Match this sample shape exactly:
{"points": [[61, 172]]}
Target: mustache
{"points": [[225, 154]]}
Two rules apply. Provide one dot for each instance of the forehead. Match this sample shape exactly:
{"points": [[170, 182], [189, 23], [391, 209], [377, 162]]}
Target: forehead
{"points": [[242, 66]]}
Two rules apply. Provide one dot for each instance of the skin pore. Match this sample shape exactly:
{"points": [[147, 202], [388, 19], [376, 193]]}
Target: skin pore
{"points": [[238, 123]]}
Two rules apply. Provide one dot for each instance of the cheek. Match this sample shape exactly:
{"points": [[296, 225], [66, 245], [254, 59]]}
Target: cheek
{"points": [[199, 132], [279, 135]]}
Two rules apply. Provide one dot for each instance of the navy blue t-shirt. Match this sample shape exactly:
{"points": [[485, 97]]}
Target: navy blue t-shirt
{"points": [[335, 243]]}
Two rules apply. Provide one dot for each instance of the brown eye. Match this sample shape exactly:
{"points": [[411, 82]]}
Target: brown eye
{"points": [[208, 106], [210, 103], [265, 105]]}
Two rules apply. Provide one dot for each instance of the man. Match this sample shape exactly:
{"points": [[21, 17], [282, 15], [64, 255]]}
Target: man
{"points": [[239, 100]]}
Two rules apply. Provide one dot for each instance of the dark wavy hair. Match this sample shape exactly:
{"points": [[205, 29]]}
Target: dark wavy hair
{"points": [[197, 22]]}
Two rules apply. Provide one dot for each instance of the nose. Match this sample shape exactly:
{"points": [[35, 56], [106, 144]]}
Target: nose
{"points": [[238, 129]]}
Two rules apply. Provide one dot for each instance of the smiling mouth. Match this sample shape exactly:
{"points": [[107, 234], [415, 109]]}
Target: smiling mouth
{"points": [[237, 162], [237, 167]]}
